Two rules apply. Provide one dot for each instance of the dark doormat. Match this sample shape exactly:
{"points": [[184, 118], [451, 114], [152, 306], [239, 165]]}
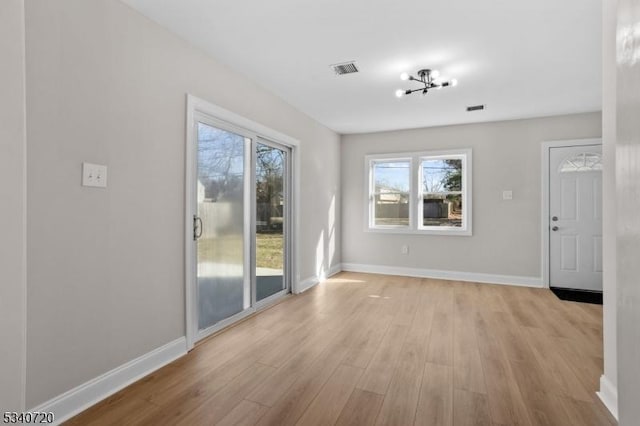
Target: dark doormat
{"points": [[584, 296]]}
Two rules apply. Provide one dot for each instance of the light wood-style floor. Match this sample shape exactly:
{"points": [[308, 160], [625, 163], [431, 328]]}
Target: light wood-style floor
{"points": [[370, 349]]}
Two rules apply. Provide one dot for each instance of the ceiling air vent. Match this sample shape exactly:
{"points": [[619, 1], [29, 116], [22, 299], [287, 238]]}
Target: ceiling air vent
{"points": [[475, 108], [345, 68]]}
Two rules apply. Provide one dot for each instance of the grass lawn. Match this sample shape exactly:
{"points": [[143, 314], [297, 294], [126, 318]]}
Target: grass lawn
{"points": [[269, 250]]}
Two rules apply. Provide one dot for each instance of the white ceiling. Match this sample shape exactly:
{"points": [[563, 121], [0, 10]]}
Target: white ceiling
{"points": [[522, 58]]}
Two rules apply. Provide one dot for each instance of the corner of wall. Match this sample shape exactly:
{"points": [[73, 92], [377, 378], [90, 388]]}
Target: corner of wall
{"points": [[13, 193], [608, 394]]}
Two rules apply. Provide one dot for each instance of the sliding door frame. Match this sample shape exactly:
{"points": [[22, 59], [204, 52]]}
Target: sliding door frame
{"points": [[286, 269], [201, 110], [249, 140]]}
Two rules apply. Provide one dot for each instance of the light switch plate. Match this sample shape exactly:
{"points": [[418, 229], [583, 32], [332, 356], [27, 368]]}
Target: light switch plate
{"points": [[94, 175], [507, 195]]}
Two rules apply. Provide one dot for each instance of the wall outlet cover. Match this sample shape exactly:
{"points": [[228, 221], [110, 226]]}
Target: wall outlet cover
{"points": [[94, 175]]}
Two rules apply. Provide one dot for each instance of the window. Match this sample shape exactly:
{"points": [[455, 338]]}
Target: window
{"points": [[584, 162], [390, 193], [441, 196], [422, 192]]}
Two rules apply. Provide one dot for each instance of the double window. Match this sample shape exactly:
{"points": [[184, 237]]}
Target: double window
{"points": [[419, 192]]}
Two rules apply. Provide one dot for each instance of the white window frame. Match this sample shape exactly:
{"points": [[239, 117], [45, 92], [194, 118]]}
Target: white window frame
{"points": [[416, 193], [371, 191]]}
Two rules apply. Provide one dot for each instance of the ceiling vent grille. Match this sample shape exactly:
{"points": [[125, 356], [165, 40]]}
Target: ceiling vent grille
{"points": [[345, 68], [475, 108]]}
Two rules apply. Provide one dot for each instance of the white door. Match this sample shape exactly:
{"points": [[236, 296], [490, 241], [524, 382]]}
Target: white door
{"points": [[575, 217]]}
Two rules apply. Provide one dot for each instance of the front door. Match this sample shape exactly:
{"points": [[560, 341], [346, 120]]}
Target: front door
{"points": [[575, 217]]}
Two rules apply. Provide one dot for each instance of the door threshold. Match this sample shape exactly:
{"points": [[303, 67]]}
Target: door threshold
{"points": [[255, 311], [577, 295]]}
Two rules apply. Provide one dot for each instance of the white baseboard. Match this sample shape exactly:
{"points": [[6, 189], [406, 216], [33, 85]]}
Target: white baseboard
{"points": [[445, 275], [84, 396], [334, 270], [608, 394], [307, 283]]}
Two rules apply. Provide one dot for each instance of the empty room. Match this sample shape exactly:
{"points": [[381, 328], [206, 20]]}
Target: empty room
{"points": [[330, 212]]}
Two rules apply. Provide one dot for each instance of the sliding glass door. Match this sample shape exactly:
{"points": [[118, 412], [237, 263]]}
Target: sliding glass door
{"points": [[223, 287], [272, 221], [240, 223]]}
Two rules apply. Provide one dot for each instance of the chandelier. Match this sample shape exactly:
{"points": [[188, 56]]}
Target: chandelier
{"points": [[429, 79]]}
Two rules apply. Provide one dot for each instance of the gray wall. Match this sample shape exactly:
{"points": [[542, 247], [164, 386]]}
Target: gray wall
{"points": [[12, 226], [628, 222], [506, 234], [105, 267]]}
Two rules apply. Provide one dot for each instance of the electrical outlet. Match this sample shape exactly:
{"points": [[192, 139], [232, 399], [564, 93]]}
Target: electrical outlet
{"points": [[94, 175], [404, 249], [507, 195]]}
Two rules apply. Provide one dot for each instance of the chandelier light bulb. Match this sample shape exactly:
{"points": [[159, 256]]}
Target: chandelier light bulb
{"points": [[435, 74], [454, 82], [399, 93], [404, 76]]}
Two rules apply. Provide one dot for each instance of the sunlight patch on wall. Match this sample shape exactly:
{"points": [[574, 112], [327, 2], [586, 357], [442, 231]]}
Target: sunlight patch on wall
{"points": [[321, 272]]}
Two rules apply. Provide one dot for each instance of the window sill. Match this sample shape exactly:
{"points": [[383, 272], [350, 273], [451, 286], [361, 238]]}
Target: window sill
{"points": [[411, 231]]}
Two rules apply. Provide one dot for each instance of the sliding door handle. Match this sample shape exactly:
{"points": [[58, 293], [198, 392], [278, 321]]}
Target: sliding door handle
{"points": [[197, 227]]}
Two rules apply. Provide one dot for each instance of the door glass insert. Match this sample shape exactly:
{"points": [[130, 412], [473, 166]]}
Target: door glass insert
{"points": [[583, 162], [271, 207], [220, 249]]}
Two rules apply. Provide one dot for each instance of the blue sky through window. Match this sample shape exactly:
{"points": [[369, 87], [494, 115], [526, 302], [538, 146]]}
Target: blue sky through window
{"points": [[435, 173], [395, 175], [392, 176]]}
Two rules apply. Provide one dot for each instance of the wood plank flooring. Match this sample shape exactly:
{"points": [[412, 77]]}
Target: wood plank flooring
{"points": [[382, 350]]}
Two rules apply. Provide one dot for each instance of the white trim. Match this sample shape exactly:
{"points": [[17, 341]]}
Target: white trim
{"points": [[237, 120], [544, 167], [230, 120], [445, 275], [415, 193], [294, 213], [466, 156], [80, 398], [370, 160], [306, 284], [608, 394], [191, 301], [309, 282], [335, 269], [290, 199]]}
